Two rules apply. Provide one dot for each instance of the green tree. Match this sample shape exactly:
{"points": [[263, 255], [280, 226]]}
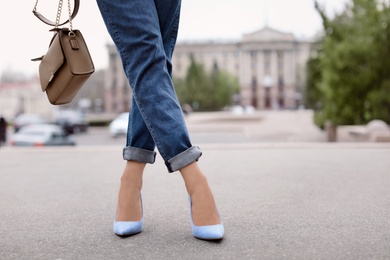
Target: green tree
{"points": [[348, 76], [312, 95], [206, 91]]}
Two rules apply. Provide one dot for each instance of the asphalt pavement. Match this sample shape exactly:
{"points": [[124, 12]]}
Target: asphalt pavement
{"points": [[278, 200]]}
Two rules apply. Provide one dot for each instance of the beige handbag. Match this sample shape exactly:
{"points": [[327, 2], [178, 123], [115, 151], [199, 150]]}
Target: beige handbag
{"points": [[67, 64]]}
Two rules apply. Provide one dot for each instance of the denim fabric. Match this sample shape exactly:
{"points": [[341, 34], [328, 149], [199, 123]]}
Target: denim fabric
{"points": [[144, 33]]}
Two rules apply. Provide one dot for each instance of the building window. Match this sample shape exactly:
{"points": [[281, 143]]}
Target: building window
{"points": [[253, 61], [267, 98], [267, 62], [114, 88], [253, 54], [280, 63], [113, 60], [254, 92]]}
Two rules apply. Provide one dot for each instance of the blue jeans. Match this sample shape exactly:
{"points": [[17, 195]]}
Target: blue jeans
{"points": [[144, 33]]}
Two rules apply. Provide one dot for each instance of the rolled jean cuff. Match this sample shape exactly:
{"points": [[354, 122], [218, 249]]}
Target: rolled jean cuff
{"points": [[139, 155], [183, 159]]}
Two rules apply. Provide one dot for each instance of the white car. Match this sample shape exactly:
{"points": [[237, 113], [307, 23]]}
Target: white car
{"points": [[27, 119], [41, 135], [119, 125]]}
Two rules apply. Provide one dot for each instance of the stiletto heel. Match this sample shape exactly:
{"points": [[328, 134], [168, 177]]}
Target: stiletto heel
{"points": [[129, 228], [211, 232]]}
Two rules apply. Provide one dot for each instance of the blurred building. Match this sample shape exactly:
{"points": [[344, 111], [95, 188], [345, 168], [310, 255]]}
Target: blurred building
{"points": [[269, 64], [90, 96], [23, 97], [117, 92]]}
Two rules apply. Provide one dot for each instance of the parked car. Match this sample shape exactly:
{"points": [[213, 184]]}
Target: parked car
{"points": [[27, 119], [41, 135], [118, 126], [71, 121]]}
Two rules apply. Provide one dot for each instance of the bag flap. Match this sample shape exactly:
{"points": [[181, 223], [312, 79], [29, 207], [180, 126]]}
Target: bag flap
{"points": [[76, 52], [51, 62]]}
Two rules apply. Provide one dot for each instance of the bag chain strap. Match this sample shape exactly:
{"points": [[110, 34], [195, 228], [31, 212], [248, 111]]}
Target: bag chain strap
{"points": [[58, 17], [59, 11], [70, 18], [57, 23]]}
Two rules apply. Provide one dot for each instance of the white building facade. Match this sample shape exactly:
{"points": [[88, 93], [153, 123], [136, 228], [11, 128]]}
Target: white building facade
{"points": [[117, 92], [270, 66]]}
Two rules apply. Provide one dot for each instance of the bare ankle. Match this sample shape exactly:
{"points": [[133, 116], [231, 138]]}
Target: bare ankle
{"points": [[194, 178], [133, 174]]}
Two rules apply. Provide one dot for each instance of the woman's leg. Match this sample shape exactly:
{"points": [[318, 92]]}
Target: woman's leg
{"points": [[203, 205], [135, 28], [146, 48]]}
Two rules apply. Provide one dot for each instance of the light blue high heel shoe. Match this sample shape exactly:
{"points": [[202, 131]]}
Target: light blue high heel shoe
{"points": [[129, 228], [211, 232]]}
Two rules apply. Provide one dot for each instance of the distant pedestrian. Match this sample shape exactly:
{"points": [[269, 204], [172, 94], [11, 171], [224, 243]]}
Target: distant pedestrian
{"points": [[3, 130], [144, 32]]}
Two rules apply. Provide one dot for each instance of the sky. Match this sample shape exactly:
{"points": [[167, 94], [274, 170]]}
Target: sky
{"points": [[23, 36]]}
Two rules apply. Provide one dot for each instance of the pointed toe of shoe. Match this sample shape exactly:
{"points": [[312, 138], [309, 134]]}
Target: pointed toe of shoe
{"points": [[127, 228], [212, 232]]}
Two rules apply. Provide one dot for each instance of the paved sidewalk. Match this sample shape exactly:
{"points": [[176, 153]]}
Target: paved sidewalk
{"points": [[278, 201]]}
